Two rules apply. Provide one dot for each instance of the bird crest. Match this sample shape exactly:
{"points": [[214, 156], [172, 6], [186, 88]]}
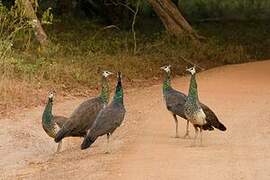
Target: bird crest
{"points": [[106, 73], [166, 68], [51, 94], [192, 70]]}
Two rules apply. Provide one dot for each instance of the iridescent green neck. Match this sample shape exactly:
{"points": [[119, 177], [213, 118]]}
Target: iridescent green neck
{"points": [[118, 96], [105, 90], [193, 92], [167, 82], [47, 114]]}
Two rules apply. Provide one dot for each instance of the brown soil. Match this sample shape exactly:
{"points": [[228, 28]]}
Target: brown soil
{"points": [[144, 147]]}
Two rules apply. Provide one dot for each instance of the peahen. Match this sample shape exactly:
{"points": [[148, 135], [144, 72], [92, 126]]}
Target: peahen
{"points": [[108, 119], [192, 108], [175, 101], [85, 114], [50, 123]]}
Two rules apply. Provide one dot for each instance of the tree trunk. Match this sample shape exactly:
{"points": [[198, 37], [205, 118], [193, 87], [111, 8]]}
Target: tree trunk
{"points": [[30, 13], [172, 18]]}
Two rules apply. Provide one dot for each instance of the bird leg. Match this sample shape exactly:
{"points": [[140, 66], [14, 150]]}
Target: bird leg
{"points": [[187, 130], [196, 134], [176, 126], [59, 147], [201, 133], [108, 143]]}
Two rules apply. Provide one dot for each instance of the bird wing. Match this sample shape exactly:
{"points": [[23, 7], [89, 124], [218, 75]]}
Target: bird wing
{"points": [[84, 116], [175, 102], [81, 119], [107, 120], [211, 118]]}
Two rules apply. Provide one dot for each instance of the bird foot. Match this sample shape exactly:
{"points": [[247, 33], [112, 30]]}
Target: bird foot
{"points": [[107, 152], [193, 145], [186, 136], [177, 136]]}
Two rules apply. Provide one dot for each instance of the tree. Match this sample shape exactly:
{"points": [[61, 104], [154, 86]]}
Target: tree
{"points": [[31, 15], [172, 18]]}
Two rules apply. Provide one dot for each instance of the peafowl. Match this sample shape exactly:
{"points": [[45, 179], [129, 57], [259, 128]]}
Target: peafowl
{"points": [[50, 123], [108, 119], [85, 114], [175, 101], [192, 107]]}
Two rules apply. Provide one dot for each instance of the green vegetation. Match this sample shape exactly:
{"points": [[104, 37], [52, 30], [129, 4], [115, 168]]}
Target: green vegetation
{"points": [[226, 9], [78, 49], [76, 54]]}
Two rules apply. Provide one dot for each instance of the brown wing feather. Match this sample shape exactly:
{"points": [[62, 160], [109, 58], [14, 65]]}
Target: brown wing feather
{"points": [[81, 119], [212, 119]]}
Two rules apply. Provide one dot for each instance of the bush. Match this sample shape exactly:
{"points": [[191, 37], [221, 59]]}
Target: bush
{"points": [[226, 9], [14, 29]]}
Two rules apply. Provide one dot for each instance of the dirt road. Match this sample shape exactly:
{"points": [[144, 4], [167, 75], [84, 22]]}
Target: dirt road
{"points": [[144, 147]]}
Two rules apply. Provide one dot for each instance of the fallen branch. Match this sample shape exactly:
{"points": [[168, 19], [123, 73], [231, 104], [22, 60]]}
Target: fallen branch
{"points": [[105, 28]]}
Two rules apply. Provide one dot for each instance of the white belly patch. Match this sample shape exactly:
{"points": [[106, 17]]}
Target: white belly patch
{"points": [[199, 118]]}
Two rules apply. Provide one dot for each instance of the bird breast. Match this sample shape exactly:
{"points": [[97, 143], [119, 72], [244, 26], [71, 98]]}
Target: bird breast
{"points": [[200, 117], [195, 117]]}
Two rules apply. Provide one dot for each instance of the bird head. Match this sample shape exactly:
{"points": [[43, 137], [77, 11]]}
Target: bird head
{"points": [[166, 68], [106, 73], [51, 94], [192, 70]]}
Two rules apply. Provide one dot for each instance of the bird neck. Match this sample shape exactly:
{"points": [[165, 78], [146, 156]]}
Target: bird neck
{"points": [[105, 90], [193, 92], [167, 82], [118, 96], [47, 114]]}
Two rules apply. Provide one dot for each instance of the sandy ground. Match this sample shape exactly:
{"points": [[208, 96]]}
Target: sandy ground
{"points": [[144, 147]]}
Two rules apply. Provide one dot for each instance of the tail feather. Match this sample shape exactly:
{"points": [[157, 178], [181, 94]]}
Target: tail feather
{"points": [[87, 142], [61, 134], [221, 127], [212, 119]]}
